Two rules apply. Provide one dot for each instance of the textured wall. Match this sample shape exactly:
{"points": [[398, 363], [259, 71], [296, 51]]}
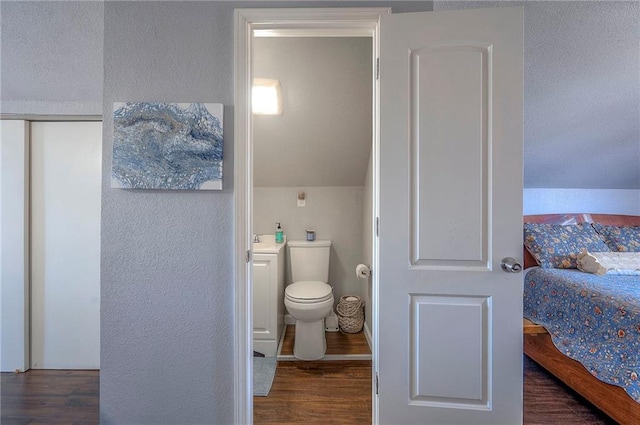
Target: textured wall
{"points": [[581, 92], [51, 57], [167, 258]]}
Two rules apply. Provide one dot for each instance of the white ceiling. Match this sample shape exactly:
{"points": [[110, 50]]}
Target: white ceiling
{"points": [[323, 137]]}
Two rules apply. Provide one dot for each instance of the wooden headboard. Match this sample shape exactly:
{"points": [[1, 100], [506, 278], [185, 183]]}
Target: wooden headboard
{"points": [[612, 219]]}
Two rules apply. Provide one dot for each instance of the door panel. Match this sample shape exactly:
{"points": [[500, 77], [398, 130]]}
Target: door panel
{"points": [[449, 81], [449, 368], [450, 347], [65, 244]]}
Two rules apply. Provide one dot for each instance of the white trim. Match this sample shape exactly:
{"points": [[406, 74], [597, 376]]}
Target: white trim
{"points": [[14, 245], [368, 337], [327, 358], [375, 231], [344, 21], [35, 118], [242, 349]]}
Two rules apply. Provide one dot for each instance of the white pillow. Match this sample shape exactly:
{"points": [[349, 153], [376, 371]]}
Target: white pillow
{"points": [[626, 263]]}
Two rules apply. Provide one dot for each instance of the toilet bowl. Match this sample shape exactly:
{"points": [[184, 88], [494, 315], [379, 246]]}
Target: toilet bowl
{"points": [[309, 299], [309, 302]]}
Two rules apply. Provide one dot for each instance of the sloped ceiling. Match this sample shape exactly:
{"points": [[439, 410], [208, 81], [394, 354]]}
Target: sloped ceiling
{"points": [[323, 138], [581, 92]]}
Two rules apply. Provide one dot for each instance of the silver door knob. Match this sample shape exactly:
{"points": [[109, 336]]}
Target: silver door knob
{"points": [[510, 265]]}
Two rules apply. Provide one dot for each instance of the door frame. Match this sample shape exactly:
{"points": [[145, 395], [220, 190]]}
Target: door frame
{"points": [[330, 22], [19, 333]]}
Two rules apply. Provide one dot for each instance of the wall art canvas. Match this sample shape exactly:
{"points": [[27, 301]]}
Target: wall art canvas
{"points": [[167, 146]]}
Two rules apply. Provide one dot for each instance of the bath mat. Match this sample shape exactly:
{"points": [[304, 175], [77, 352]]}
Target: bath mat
{"points": [[264, 369]]}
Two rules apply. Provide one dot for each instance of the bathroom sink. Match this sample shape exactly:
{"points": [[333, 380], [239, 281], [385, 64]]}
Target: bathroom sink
{"points": [[268, 245]]}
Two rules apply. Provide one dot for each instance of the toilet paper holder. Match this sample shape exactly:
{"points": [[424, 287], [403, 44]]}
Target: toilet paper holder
{"points": [[363, 271]]}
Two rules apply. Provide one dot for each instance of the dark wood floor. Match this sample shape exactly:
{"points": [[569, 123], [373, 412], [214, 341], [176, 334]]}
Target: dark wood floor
{"points": [[318, 392], [71, 397], [51, 397], [549, 401], [337, 342]]}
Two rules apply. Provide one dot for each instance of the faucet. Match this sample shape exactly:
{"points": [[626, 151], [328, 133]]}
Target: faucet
{"points": [[256, 238]]}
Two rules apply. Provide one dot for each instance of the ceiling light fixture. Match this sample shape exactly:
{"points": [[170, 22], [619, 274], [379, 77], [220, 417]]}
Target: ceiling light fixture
{"points": [[266, 97]]}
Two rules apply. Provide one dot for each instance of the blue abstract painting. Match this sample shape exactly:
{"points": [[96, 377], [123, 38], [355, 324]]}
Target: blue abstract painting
{"points": [[167, 146]]}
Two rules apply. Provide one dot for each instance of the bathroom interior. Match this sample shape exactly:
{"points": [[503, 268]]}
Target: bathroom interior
{"points": [[313, 174]]}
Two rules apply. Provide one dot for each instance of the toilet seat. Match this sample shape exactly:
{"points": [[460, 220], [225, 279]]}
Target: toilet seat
{"points": [[308, 292]]}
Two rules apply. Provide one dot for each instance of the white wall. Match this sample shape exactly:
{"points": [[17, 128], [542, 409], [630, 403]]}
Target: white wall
{"points": [[596, 201], [14, 246], [335, 213]]}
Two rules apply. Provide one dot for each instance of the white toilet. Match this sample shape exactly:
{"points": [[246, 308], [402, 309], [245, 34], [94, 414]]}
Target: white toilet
{"points": [[309, 299]]}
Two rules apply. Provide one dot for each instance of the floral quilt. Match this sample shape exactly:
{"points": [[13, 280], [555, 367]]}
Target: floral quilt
{"points": [[592, 319]]}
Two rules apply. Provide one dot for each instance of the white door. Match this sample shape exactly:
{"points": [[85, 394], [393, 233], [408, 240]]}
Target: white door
{"points": [[65, 244], [450, 320]]}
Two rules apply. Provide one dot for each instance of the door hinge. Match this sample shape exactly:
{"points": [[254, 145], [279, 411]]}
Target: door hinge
{"points": [[376, 384], [247, 255], [377, 226], [377, 68]]}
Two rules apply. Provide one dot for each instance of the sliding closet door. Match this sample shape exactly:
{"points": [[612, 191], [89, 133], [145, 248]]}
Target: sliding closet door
{"points": [[65, 244]]}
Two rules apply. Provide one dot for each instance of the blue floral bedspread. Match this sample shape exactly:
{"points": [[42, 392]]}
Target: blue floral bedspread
{"points": [[592, 319]]}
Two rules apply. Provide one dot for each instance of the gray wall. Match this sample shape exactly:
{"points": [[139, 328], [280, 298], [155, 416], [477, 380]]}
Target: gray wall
{"points": [[167, 257], [323, 138], [334, 212], [167, 285], [51, 57], [581, 92]]}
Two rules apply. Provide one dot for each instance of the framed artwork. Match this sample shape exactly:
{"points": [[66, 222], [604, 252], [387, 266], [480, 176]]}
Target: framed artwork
{"points": [[167, 146]]}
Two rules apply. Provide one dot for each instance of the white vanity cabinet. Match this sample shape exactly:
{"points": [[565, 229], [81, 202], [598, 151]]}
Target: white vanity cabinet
{"points": [[268, 296]]}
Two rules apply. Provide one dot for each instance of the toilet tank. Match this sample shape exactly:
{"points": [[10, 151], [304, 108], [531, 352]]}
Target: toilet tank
{"points": [[309, 260]]}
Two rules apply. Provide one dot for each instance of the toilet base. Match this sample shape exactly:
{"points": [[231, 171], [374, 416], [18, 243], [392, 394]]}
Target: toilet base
{"points": [[309, 342]]}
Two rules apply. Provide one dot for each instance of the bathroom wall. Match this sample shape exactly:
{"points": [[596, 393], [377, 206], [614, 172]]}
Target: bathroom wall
{"points": [[334, 212], [323, 136], [321, 144]]}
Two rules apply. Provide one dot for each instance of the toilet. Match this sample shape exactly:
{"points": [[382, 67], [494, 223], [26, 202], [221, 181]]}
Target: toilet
{"points": [[309, 299]]}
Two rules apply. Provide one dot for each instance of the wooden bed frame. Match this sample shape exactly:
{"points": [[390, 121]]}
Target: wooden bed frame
{"points": [[612, 400]]}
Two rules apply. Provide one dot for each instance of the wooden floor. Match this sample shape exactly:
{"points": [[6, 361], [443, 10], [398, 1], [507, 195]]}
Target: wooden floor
{"points": [[337, 343], [303, 392], [51, 397], [318, 392]]}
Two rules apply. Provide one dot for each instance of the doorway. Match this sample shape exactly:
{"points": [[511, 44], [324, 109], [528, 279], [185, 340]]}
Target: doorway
{"points": [[473, 55], [289, 23]]}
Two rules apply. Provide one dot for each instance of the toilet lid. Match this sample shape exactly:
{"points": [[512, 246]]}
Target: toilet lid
{"points": [[308, 291]]}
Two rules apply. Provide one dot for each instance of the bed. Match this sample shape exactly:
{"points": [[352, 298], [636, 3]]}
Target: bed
{"points": [[594, 320]]}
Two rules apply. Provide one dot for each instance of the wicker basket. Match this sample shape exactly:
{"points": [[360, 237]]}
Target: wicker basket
{"points": [[350, 311]]}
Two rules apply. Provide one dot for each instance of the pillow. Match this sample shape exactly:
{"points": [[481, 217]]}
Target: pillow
{"points": [[622, 263], [557, 246], [620, 238]]}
